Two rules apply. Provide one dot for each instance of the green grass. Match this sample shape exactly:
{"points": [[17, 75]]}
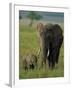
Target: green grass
{"points": [[28, 43]]}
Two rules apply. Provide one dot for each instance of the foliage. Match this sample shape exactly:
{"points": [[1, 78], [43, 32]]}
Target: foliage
{"points": [[20, 17], [33, 16], [28, 43]]}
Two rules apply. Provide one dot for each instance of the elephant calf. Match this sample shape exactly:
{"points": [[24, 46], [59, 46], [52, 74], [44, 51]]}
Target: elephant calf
{"points": [[29, 61]]}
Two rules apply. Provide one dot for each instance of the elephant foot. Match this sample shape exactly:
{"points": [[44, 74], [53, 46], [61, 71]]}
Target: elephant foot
{"points": [[56, 61], [52, 66]]}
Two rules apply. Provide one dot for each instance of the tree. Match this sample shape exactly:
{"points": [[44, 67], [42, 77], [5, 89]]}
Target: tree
{"points": [[20, 17], [33, 16]]}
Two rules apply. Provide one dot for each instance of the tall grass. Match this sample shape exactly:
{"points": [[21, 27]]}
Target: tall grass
{"points": [[28, 43]]}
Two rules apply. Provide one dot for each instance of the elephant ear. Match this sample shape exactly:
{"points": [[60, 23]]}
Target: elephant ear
{"points": [[57, 30], [40, 28]]}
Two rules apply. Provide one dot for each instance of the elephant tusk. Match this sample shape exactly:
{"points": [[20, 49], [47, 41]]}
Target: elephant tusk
{"points": [[48, 53]]}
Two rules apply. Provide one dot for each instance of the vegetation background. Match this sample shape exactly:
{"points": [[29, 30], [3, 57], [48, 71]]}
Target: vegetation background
{"points": [[29, 43]]}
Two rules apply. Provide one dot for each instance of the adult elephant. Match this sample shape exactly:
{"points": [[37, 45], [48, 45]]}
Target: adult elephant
{"points": [[51, 39]]}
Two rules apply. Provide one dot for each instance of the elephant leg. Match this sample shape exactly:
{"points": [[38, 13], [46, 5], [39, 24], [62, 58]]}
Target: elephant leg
{"points": [[57, 55], [54, 53], [50, 57], [49, 60], [58, 51], [44, 57], [43, 61], [53, 62]]}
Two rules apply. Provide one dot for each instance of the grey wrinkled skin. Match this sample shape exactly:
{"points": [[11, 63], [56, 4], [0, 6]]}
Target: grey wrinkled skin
{"points": [[29, 61], [51, 39]]}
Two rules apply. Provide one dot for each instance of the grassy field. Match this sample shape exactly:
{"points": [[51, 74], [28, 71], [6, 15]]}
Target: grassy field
{"points": [[28, 43]]}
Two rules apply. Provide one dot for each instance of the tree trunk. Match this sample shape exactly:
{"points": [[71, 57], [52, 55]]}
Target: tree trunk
{"points": [[31, 23]]}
